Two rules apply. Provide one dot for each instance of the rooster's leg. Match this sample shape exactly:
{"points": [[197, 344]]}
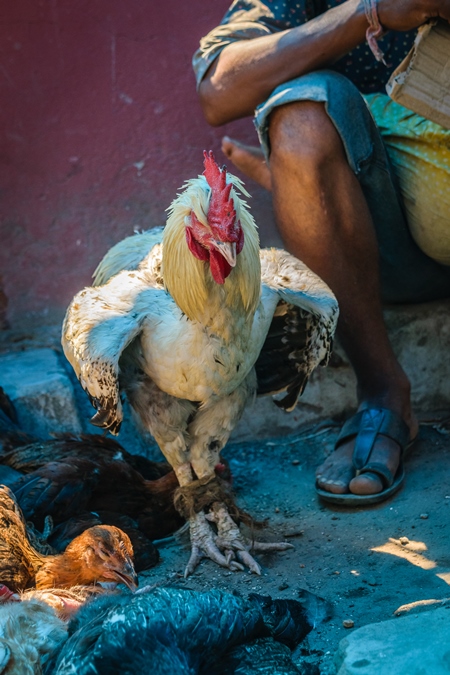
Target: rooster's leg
{"points": [[202, 535], [203, 545], [234, 544]]}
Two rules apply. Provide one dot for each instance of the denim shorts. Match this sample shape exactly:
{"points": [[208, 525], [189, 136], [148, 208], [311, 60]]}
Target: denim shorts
{"points": [[407, 275]]}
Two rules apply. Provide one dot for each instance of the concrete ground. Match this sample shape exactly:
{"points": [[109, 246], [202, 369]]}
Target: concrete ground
{"points": [[368, 562]]}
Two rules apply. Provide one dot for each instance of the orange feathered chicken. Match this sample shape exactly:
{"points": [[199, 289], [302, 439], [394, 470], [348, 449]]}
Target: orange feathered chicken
{"points": [[101, 553]]}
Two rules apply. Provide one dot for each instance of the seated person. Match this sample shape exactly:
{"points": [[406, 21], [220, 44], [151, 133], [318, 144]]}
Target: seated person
{"points": [[360, 187]]}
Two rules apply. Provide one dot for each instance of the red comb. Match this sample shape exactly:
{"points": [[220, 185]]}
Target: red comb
{"points": [[221, 212]]}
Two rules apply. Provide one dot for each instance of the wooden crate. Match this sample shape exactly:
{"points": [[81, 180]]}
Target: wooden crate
{"points": [[422, 81]]}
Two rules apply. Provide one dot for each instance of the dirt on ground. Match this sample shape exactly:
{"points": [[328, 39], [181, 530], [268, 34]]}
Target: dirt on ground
{"points": [[368, 562]]}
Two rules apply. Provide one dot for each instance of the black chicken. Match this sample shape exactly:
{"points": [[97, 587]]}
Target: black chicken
{"points": [[166, 631], [34, 453]]}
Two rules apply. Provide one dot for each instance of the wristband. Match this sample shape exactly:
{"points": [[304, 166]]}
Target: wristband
{"points": [[375, 30]]}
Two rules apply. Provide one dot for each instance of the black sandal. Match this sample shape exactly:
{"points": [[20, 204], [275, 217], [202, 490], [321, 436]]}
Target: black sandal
{"points": [[365, 426]]}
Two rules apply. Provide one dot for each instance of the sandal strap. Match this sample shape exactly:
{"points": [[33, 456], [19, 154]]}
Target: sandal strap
{"points": [[366, 425], [386, 476]]}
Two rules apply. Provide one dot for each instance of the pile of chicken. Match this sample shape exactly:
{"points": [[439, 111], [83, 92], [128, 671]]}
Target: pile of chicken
{"points": [[191, 322], [68, 489], [46, 577], [56, 619], [47, 629]]}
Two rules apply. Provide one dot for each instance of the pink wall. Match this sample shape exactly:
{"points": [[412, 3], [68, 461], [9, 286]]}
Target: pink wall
{"points": [[100, 127]]}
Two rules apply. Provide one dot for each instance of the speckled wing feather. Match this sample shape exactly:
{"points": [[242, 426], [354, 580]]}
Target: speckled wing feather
{"points": [[101, 321], [301, 333]]}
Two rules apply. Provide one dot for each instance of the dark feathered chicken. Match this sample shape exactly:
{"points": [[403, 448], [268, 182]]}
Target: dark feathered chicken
{"points": [[167, 631], [102, 553], [25, 454], [75, 485], [80, 476], [32, 455], [70, 475]]}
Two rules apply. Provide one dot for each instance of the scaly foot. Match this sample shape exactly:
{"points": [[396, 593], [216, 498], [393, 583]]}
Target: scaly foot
{"points": [[204, 545], [234, 544], [228, 546]]}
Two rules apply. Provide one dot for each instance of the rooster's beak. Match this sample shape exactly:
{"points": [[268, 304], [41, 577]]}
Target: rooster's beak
{"points": [[228, 250]]}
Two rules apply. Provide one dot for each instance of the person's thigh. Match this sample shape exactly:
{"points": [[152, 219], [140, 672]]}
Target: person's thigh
{"points": [[407, 274]]}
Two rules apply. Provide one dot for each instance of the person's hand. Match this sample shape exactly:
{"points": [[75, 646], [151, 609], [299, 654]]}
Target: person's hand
{"points": [[405, 15]]}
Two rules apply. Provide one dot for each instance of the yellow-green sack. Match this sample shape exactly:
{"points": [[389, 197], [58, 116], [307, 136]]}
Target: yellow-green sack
{"points": [[419, 151]]}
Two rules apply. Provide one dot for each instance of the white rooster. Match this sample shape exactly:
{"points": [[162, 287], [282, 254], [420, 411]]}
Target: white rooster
{"points": [[191, 321]]}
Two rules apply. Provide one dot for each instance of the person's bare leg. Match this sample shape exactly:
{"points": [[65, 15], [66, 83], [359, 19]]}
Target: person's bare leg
{"points": [[248, 159], [324, 219]]}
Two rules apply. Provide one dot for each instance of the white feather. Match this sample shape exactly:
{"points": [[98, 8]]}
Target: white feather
{"points": [[208, 358]]}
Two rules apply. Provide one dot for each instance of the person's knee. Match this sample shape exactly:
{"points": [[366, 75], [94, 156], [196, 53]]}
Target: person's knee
{"points": [[302, 135]]}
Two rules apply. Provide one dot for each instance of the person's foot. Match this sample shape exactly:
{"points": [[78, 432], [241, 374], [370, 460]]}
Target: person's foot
{"points": [[248, 159], [337, 474]]}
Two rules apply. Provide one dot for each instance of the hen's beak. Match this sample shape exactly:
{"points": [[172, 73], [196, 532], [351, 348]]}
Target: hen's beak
{"points": [[127, 576], [228, 250]]}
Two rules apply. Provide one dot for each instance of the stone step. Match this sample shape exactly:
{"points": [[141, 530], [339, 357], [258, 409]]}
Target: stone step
{"points": [[38, 385], [411, 645]]}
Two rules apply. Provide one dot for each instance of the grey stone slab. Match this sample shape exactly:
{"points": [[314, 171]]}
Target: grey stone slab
{"points": [[411, 645], [41, 391]]}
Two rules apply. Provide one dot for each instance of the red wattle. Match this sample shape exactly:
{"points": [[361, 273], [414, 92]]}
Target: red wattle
{"points": [[195, 248], [219, 267]]}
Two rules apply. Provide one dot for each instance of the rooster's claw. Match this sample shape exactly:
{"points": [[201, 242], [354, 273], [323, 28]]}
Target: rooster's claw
{"points": [[228, 548], [229, 538], [204, 545]]}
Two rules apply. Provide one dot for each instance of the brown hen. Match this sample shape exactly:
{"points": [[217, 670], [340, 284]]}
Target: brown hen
{"points": [[101, 553]]}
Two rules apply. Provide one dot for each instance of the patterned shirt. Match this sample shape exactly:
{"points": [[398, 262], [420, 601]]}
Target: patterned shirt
{"points": [[247, 19]]}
